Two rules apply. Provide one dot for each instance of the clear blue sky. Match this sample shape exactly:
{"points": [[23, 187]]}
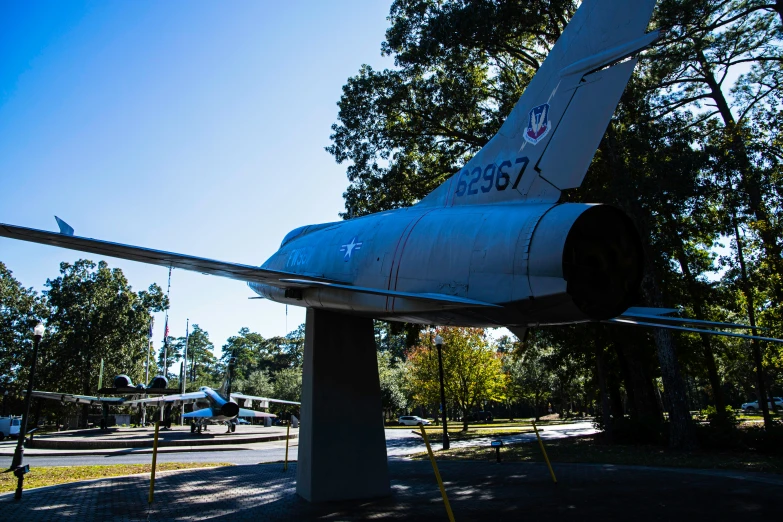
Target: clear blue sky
{"points": [[195, 127]]}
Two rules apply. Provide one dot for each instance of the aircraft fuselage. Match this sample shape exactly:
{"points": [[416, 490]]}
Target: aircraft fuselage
{"points": [[538, 262]]}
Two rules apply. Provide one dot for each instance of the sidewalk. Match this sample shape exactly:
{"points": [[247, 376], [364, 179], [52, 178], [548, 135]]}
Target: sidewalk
{"points": [[477, 491]]}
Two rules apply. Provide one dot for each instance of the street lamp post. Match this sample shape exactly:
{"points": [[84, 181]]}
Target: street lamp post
{"points": [[17, 465], [439, 345]]}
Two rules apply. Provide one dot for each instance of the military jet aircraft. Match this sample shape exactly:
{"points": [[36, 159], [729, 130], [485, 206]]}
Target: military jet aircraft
{"points": [[122, 386], [210, 405], [493, 245]]}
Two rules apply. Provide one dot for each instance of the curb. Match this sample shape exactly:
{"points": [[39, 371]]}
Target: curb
{"points": [[124, 451]]}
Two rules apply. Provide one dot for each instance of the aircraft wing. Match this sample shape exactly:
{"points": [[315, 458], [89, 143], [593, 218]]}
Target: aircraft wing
{"points": [[247, 273], [77, 399], [150, 256], [659, 318], [182, 397], [256, 398], [244, 412], [203, 413], [441, 299]]}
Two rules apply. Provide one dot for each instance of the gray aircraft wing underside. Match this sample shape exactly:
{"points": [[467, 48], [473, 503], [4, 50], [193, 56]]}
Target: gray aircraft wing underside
{"points": [[78, 399], [443, 299], [150, 256], [658, 318], [241, 272], [262, 399], [182, 397]]}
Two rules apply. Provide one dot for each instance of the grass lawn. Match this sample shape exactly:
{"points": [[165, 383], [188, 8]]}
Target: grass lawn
{"points": [[497, 423], [457, 433], [49, 476], [589, 450]]}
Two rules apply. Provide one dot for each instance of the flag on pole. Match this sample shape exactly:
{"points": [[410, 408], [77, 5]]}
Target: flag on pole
{"points": [[166, 329], [152, 321]]}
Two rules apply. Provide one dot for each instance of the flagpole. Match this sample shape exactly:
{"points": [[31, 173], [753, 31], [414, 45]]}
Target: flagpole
{"points": [[185, 371], [147, 370]]}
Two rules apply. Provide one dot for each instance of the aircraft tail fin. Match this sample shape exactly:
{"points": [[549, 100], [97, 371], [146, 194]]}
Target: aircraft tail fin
{"points": [[548, 141]]}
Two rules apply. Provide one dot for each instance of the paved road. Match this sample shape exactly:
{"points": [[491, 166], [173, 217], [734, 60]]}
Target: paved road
{"points": [[399, 443], [404, 442]]}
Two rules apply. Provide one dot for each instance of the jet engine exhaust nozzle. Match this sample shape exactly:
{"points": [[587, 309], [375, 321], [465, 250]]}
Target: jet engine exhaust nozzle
{"points": [[603, 262], [159, 383], [229, 409], [123, 381]]}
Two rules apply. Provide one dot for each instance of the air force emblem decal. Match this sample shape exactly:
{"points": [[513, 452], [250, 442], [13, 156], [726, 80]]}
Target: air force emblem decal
{"points": [[350, 248], [538, 124]]}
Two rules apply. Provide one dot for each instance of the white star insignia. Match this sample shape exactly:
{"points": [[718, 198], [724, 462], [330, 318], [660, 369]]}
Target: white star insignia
{"points": [[349, 248]]}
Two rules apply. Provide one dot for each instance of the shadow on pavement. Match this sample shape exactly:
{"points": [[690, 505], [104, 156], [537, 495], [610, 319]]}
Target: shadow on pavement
{"points": [[477, 491]]}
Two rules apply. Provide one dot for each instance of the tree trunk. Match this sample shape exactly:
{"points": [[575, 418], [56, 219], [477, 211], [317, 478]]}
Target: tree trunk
{"points": [[638, 385], [680, 426], [757, 359], [681, 430], [695, 291], [606, 413]]}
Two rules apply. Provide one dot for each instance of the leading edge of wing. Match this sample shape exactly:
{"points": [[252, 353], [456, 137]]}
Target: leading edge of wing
{"points": [[150, 256], [78, 399], [441, 299], [190, 396], [694, 330], [257, 398], [685, 320]]}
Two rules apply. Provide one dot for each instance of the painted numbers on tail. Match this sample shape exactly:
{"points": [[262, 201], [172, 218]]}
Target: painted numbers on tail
{"points": [[484, 179]]}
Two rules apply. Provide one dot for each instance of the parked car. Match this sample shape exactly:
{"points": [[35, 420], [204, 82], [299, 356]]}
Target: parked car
{"points": [[243, 421], [412, 420], [9, 427], [754, 406]]}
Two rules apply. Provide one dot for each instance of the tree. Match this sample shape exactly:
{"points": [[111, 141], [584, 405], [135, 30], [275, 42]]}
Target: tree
{"points": [[392, 380], [257, 383], [473, 371], [529, 379], [460, 68], [94, 316], [287, 386], [20, 310], [202, 365]]}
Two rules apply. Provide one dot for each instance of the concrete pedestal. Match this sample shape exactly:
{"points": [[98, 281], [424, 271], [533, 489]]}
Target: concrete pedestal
{"points": [[342, 446]]}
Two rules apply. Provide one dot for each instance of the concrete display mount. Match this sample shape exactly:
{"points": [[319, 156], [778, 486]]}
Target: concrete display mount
{"points": [[342, 447]]}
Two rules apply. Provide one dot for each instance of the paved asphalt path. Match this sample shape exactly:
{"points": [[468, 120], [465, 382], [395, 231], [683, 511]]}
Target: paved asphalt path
{"points": [[399, 443], [478, 491]]}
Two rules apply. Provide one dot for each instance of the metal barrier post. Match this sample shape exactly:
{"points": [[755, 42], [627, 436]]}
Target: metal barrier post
{"points": [[287, 438], [543, 450], [437, 474], [154, 461]]}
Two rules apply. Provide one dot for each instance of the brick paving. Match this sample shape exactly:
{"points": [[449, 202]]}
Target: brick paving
{"points": [[477, 491]]}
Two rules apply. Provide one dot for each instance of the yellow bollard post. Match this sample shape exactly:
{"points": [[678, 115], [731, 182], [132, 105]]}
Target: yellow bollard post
{"points": [[437, 475], [154, 461], [287, 438], [546, 458]]}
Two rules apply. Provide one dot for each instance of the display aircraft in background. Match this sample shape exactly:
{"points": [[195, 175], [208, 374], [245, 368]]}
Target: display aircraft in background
{"points": [[122, 386], [210, 405], [493, 245]]}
